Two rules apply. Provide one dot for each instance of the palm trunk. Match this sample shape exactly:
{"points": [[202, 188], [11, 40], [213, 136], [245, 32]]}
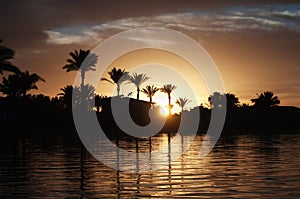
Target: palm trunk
{"points": [[83, 95], [169, 98], [82, 80], [138, 93], [118, 89]]}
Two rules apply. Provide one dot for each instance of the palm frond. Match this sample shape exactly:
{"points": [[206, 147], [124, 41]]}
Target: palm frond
{"points": [[105, 79]]}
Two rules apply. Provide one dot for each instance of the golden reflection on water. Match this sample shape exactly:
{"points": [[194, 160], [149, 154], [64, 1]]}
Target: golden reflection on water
{"points": [[239, 166]]}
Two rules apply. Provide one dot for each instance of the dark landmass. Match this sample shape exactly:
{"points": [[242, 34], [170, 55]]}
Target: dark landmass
{"points": [[22, 117]]}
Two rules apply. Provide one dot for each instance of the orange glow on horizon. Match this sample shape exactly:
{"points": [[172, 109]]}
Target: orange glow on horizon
{"points": [[163, 68]]}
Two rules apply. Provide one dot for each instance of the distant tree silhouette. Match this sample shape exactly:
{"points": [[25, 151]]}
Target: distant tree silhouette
{"points": [[265, 100], [65, 97], [55, 101], [138, 80], [18, 85], [84, 97], [245, 106], [6, 54], [232, 101], [216, 100], [150, 91], [76, 63], [74, 97], [182, 102], [168, 88], [99, 102], [40, 99], [117, 76]]}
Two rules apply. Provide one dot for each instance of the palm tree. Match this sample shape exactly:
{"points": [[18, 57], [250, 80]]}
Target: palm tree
{"points": [[266, 100], [84, 96], [19, 84], [5, 55], [182, 102], [168, 88], [77, 96], [65, 97], [232, 101], [117, 76], [99, 101], [150, 92], [76, 63], [138, 80], [29, 81], [216, 100]]}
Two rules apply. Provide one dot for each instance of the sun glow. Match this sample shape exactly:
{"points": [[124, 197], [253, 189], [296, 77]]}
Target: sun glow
{"points": [[161, 100], [163, 110]]}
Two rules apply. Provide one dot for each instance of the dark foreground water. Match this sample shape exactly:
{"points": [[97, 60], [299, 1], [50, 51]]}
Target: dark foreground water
{"points": [[243, 166]]}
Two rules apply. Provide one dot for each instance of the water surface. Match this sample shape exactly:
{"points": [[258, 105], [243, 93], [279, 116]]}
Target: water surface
{"points": [[241, 166]]}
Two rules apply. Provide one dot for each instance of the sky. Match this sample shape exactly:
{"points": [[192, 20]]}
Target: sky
{"points": [[255, 44]]}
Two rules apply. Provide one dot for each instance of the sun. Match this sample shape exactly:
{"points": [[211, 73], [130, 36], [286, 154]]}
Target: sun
{"points": [[163, 111], [161, 100]]}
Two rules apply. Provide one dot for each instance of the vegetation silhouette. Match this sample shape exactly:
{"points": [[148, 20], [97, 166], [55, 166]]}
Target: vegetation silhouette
{"points": [[99, 102], [138, 80], [217, 100], [117, 76], [265, 99], [65, 97], [150, 92], [21, 112], [182, 102], [84, 97], [232, 101], [18, 85], [168, 88], [82, 61], [6, 54]]}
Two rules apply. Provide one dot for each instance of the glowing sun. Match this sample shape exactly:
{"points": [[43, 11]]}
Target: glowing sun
{"points": [[164, 111]]}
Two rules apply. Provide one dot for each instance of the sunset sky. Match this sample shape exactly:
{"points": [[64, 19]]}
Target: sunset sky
{"points": [[255, 45]]}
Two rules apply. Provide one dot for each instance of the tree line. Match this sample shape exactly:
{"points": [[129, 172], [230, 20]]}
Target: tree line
{"points": [[18, 84]]}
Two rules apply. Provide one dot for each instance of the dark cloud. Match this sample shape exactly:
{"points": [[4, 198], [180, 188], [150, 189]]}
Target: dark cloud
{"points": [[234, 19], [31, 16]]}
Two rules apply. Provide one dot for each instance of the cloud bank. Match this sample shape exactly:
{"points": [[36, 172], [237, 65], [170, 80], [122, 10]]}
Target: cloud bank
{"points": [[235, 19]]}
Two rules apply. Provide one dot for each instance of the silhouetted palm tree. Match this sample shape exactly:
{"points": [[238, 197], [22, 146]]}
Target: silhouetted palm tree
{"points": [[84, 96], [76, 63], [150, 92], [182, 102], [19, 84], [117, 76], [232, 101], [138, 80], [6, 54], [217, 100], [99, 101], [65, 97], [265, 100], [168, 88]]}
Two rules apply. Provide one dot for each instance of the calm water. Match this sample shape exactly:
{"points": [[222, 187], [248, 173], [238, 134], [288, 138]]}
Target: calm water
{"points": [[239, 167]]}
